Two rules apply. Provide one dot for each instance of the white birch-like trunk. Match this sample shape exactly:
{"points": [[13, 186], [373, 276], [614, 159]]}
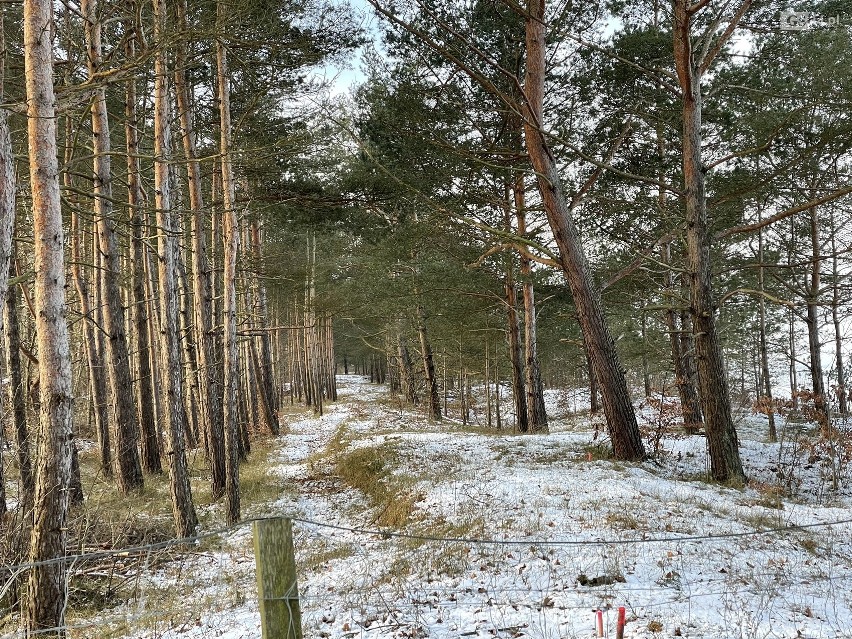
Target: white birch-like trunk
{"points": [[231, 244], [170, 359], [203, 285], [7, 214]]}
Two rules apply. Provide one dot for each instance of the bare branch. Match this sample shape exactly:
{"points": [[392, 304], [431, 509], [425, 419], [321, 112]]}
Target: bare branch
{"points": [[599, 170], [708, 58], [747, 228], [631, 268], [756, 293]]}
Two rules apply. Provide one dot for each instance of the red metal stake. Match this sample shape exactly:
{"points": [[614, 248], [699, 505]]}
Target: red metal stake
{"points": [[619, 629], [600, 623]]}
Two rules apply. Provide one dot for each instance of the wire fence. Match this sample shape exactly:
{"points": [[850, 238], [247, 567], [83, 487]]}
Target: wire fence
{"points": [[782, 581]]}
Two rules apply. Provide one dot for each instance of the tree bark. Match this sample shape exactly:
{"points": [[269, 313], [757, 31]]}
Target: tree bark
{"points": [[428, 366], [264, 412], [690, 406], [536, 412], [97, 381], [497, 399], [594, 393], [646, 367], [128, 465], [812, 301], [7, 213], [679, 341], [18, 398], [835, 316], [173, 411], [186, 330], [513, 337], [794, 382], [618, 408], [765, 375], [231, 231], [145, 395], [715, 401], [46, 587], [406, 368], [266, 373], [203, 285]]}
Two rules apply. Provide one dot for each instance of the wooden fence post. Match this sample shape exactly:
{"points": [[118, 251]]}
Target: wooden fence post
{"points": [[277, 590]]}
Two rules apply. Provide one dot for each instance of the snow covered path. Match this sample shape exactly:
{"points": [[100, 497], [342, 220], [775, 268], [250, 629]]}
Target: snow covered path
{"points": [[574, 535]]}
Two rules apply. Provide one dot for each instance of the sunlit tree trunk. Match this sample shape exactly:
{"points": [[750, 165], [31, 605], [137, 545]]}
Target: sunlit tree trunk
{"points": [[186, 330], [129, 468], [46, 589], [203, 286]]}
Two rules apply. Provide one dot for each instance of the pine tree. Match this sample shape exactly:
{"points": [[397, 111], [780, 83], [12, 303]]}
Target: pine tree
{"points": [[46, 590], [230, 236], [170, 360]]}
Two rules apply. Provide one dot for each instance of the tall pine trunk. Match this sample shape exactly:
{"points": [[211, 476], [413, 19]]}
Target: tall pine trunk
{"points": [[715, 401], [231, 238], [836, 301], [46, 587], [170, 359], [618, 408], [129, 468], [145, 394], [690, 408], [513, 332], [428, 366], [406, 368], [536, 413], [812, 301], [765, 375], [513, 335], [214, 435], [97, 381], [260, 313], [18, 398]]}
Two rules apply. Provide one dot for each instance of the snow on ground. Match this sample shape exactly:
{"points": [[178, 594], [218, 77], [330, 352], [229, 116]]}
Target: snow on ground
{"points": [[549, 534]]}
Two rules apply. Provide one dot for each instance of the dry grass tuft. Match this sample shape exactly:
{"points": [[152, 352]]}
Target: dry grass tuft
{"points": [[370, 470]]}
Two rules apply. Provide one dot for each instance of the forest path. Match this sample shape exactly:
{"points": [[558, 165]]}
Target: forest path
{"points": [[406, 529]]}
